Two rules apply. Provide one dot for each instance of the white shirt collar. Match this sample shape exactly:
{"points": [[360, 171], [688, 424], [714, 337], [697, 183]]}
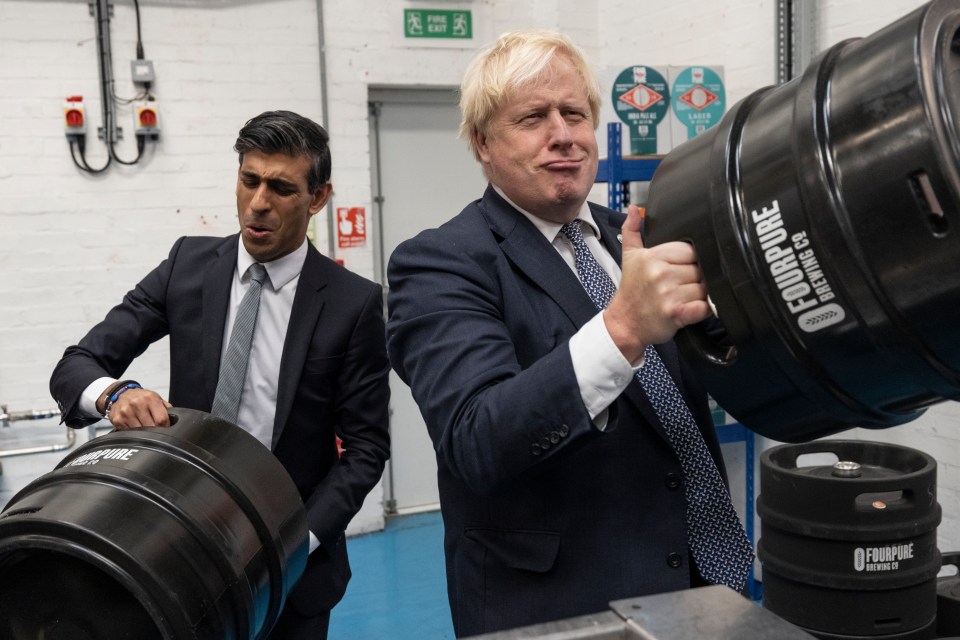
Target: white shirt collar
{"points": [[281, 271], [546, 227]]}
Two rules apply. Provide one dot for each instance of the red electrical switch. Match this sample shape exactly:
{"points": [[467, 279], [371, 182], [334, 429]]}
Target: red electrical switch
{"points": [[146, 119], [74, 116]]}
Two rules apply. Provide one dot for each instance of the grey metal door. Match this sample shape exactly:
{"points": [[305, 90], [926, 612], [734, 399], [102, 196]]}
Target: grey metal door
{"points": [[422, 176]]}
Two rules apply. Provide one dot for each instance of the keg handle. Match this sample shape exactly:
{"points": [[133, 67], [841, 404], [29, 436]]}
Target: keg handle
{"points": [[696, 338], [951, 558]]}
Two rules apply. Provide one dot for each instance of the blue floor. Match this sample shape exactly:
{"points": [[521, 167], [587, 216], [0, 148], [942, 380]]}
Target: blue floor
{"points": [[398, 589]]}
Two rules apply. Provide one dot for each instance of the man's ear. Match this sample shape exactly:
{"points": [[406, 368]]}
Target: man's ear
{"points": [[480, 143], [320, 197]]}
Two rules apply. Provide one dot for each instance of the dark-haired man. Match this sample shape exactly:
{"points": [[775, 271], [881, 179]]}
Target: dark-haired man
{"points": [[317, 366]]}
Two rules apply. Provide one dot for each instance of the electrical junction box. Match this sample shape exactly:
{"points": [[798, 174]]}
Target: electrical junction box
{"points": [[141, 71], [74, 116], [146, 119]]}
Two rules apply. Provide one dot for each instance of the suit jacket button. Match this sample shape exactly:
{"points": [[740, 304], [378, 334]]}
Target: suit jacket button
{"points": [[563, 430], [674, 560], [545, 443], [672, 481], [535, 449], [554, 437]]}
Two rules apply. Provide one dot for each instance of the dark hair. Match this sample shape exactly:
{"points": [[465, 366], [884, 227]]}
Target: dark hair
{"points": [[291, 134]]}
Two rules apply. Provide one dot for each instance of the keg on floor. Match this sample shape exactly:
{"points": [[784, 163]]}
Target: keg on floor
{"points": [[189, 532], [826, 216], [948, 598], [848, 546]]}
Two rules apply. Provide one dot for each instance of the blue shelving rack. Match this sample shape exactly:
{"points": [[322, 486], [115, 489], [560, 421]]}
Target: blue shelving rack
{"points": [[616, 170]]}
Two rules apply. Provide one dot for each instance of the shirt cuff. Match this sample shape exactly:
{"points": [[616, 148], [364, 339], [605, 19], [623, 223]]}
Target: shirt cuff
{"points": [[602, 371], [90, 395], [314, 542]]}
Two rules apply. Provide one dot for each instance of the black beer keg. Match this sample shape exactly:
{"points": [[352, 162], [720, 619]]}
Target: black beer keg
{"points": [[948, 598], [189, 532], [825, 213], [849, 547]]}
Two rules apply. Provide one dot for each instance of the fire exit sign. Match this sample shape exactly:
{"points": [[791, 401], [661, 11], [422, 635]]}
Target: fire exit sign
{"points": [[437, 23]]}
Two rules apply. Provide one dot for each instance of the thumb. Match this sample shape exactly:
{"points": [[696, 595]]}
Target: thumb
{"points": [[632, 229]]}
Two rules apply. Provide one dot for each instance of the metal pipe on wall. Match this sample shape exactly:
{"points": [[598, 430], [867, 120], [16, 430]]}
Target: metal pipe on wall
{"points": [[324, 115], [796, 37], [6, 417], [101, 12]]}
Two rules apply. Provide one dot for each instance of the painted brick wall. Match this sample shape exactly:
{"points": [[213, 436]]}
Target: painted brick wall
{"points": [[76, 243]]}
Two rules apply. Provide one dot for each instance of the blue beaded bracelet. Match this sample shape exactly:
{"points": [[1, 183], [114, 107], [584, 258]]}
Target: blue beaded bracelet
{"points": [[117, 392]]}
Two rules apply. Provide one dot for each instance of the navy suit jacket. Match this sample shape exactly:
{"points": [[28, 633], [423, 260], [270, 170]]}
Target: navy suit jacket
{"points": [[333, 381], [545, 516]]}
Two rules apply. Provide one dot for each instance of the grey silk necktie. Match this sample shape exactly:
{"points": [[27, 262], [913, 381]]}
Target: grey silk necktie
{"points": [[717, 539], [233, 366]]}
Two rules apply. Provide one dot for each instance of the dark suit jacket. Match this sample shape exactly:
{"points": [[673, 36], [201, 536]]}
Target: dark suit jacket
{"points": [[333, 381], [545, 516]]}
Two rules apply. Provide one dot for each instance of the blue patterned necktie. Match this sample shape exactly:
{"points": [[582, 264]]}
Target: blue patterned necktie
{"points": [[717, 539], [233, 366]]}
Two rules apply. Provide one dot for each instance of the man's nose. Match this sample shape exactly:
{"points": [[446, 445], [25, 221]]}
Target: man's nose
{"points": [[261, 198], [559, 129]]}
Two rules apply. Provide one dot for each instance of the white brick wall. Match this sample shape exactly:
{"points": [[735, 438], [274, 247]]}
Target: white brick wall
{"points": [[76, 243]]}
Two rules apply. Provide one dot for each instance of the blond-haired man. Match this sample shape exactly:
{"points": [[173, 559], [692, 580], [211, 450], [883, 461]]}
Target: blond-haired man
{"points": [[559, 488]]}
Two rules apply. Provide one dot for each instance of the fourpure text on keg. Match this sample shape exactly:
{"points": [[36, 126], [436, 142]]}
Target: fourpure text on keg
{"points": [[886, 558], [94, 457], [796, 272]]}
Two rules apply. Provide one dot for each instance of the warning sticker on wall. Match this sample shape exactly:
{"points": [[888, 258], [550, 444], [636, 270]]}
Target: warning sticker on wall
{"points": [[351, 227]]}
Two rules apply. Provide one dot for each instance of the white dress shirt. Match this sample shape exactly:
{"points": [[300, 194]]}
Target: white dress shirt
{"points": [[601, 369], [258, 404]]}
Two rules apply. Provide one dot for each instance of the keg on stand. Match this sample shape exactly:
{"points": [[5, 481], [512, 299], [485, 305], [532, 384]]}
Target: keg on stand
{"points": [[825, 215], [849, 547], [189, 532]]}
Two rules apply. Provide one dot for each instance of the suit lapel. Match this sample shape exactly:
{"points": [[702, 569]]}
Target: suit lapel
{"points": [[217, 283], [304, 315], [609, 224], [531, 253], [525, 247]]}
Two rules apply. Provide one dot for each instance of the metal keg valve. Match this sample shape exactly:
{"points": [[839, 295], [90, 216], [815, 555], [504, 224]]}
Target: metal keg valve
{"points": [[846, 469]]}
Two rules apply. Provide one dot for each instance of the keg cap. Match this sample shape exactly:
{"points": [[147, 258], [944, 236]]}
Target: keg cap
{"points": [[846, 469]]}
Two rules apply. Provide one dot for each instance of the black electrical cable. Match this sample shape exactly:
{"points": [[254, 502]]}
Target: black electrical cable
{"points": [[141, 143], [136, 8], [106, 73], [145, 93], [109, 97], [82, 165]]}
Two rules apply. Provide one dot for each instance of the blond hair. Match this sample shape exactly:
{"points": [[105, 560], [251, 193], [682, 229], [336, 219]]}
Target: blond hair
{"points": [[515, 60]]}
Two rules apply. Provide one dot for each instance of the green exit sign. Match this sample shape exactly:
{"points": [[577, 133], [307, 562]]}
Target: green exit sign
{"points": [[437, 23]]}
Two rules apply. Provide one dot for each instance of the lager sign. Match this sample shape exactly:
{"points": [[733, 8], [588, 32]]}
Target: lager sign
{"points": [[698, 99], [640, 98]]}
